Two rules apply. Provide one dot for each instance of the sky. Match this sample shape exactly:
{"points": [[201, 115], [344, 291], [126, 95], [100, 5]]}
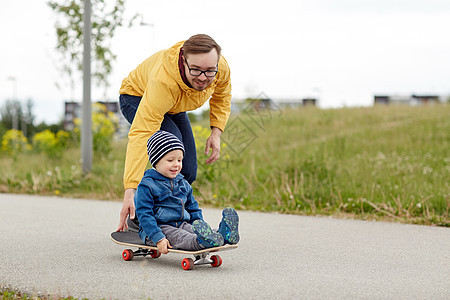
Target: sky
{"points": [[339, 51]]}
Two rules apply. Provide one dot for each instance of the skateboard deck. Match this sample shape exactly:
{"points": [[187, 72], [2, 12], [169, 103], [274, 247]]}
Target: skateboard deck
{"points": [[201, 257]]}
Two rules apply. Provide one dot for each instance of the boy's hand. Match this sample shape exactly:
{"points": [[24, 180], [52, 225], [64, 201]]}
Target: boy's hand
{"points": [[163, 246]]}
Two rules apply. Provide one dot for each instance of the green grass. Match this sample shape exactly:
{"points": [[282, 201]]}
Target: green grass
{"points": [[8, 294], [388, 162], [33, 173]]}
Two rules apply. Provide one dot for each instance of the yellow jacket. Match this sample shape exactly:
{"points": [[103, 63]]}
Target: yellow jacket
{"points": [[159, 82]]}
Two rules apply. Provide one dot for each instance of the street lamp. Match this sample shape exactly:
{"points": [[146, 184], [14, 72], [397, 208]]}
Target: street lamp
{"points": [[15, 112], [86, 126]]}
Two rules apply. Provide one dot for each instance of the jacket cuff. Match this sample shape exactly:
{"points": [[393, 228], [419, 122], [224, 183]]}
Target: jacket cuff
{"points": [[157, 237], [130, 185], [217, 124]]}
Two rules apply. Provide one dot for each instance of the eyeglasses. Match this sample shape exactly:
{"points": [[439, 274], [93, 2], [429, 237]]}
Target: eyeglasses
{"points": [[197, 72]]}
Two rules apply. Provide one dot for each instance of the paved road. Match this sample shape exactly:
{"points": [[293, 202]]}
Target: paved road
{"points": [[62, 247]]}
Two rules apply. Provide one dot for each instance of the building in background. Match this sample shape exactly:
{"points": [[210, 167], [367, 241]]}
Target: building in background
{"points": [[406, 100], [72, 111], [263, 102]]}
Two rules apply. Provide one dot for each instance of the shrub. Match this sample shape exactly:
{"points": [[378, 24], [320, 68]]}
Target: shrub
{"points": [[50, 143], [104, 125], [14, 141], [62, 138], [45, 141]]}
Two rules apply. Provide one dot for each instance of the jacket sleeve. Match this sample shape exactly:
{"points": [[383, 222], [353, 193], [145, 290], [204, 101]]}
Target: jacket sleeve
{"points": [[192, 206], [220, 102], [157, 100], [144, 202]]}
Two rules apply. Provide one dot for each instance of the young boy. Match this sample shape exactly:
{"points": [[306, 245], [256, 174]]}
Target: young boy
{"points": [[168, 214]]}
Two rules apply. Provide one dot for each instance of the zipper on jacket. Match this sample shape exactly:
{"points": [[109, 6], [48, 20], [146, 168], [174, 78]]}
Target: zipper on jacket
{"points": [[182, 203], [182, 209]]}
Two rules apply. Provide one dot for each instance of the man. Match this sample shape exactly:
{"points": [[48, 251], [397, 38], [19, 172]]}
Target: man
{"points": [[157, 94]]}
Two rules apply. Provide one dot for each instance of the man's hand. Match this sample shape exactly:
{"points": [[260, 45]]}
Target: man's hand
{"points": [[127, 209], [213, 143], [163, 246]]}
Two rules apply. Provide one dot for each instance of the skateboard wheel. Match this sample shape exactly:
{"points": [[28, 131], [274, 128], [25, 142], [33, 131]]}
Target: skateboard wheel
{"points": [[127, 254], [187, 264], [217, 261], [155, 253]]}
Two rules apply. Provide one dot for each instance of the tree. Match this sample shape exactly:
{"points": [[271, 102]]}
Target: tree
{"points": [[9, 113], [13, 114], [106, 17]]}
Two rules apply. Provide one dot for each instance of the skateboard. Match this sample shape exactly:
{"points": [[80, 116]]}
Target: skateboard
{"points": [[201, 257]]}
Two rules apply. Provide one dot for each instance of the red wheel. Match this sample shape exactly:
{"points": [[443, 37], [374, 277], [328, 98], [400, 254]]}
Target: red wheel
{"points": [[187, 264], [127, 254], [217, 261], [155, 253]]}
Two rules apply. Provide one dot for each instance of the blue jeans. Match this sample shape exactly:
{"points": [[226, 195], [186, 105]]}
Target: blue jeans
{"points": [[178, 124]]}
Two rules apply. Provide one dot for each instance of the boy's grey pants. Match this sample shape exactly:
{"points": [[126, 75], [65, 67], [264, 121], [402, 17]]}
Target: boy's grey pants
{"points": [[182, 237]]}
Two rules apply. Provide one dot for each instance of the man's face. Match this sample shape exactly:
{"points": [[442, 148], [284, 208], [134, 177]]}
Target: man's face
{"points": [[203, 62]]}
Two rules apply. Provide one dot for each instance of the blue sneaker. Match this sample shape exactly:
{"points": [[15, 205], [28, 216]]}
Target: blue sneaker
{"points": [[206, 236], [228, 227]]}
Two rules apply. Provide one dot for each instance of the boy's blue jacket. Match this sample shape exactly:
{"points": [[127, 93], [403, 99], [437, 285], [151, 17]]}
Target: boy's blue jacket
{"points": [[163, 201]]}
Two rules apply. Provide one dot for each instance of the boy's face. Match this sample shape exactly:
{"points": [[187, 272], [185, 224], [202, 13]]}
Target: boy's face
{"points": [[171, 163]]}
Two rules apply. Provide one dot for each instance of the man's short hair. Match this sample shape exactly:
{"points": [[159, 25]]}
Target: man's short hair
{"points": [[200, 43]]}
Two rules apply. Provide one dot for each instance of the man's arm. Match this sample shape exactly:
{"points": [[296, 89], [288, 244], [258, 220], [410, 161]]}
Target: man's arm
{"points": [[220, 107], [220, 102], [154, 105]]}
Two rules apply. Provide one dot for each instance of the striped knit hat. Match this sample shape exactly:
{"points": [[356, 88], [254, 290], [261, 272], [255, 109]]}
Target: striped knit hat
{"points": [[161, 143]]}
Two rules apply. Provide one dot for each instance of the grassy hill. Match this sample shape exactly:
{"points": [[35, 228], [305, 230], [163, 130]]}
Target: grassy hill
{"points": [[387, 161], [390, 162]]}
